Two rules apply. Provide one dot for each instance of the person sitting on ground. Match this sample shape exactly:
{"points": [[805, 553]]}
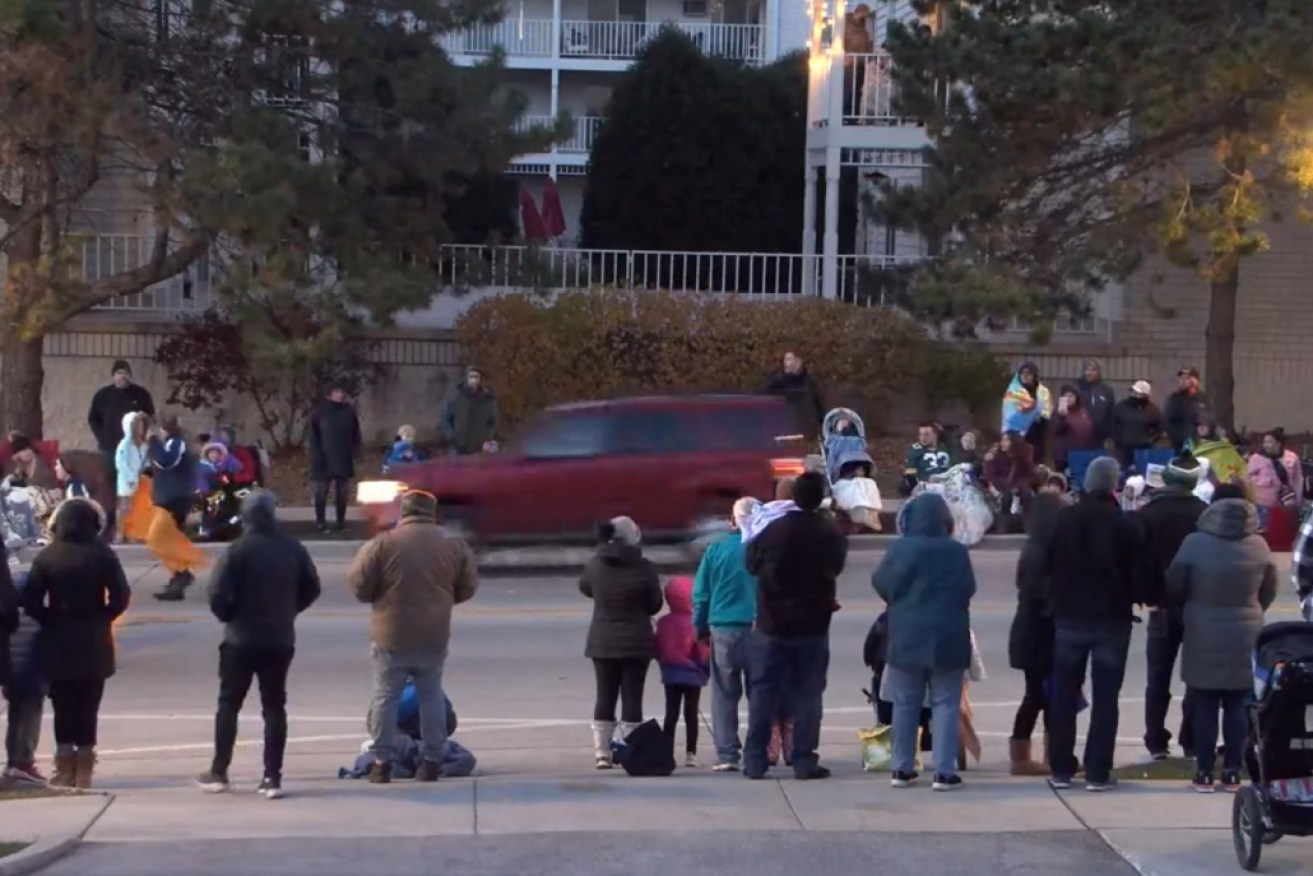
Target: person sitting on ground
{"points": [[1009, 472], [404, 450], [1223, 579], [926, 458], [457, 761]]}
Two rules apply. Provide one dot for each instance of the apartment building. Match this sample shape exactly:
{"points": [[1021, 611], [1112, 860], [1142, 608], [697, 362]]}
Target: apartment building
{"points": [[566, 56]]}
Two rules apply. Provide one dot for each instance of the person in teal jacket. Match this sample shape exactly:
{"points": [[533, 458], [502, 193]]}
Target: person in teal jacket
{"points": [[927, 580], [724, 608]]}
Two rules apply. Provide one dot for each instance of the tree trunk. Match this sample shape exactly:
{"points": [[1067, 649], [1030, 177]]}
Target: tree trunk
{"points": [[21, 378], [1219, 344]]}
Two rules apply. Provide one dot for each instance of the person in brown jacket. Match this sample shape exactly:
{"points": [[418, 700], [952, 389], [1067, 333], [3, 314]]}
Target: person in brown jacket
{"points": [[412, 577]]}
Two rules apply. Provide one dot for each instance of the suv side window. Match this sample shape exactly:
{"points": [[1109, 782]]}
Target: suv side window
{"points": [[745, 427], [656, 431], [569, 435]]}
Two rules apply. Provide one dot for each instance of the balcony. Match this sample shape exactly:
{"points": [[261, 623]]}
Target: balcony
{"points": [[106, 255], [580, 141], [582, 40]]}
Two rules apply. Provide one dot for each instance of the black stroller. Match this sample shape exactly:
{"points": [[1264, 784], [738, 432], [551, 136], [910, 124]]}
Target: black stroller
{"points": [[1278, 801]]}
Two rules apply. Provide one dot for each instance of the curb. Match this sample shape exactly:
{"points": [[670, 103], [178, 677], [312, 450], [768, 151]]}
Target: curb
{"points": [[44, 852]]}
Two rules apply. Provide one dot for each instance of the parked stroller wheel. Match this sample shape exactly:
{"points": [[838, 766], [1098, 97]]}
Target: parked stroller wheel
{"points": [[1247, 828]]}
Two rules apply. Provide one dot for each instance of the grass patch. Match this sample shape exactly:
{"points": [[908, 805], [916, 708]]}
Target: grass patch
{"points": [[7, 849], [14, 791], [1173, 769]]}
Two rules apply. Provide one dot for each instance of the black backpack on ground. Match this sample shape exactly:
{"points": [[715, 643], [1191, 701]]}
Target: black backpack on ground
{"points": [[646, 752]]}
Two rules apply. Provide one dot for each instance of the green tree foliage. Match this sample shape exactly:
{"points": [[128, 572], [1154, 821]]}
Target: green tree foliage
{"points": [[300, 145], [1080, 138], [699, 154]]}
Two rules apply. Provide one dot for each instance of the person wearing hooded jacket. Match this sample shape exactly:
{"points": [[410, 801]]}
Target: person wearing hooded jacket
{"points": [[75, 591], [257, 590], [1027, 407], [685, 665], [469, 417], [927, 581], [626, 594]]}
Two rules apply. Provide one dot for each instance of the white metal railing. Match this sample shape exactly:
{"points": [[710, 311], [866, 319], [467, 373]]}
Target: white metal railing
{"points": [[856, 89], [103, 256], [622, 40], [530, 37], [579, 142]]}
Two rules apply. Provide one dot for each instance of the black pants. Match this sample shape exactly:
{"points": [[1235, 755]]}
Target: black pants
{"points": [[76, 705], [1034, 702], [621, 680], [341, 492], [683, 697], [237, 668], [110, 502], [1165, 635]]}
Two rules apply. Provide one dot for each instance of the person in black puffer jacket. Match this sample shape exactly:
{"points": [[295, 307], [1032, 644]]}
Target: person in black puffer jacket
{"points": [[75, 591], [626, 593]]}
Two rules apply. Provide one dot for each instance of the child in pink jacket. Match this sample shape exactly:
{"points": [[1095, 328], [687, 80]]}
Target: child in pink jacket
{"points": [[685, 664]]}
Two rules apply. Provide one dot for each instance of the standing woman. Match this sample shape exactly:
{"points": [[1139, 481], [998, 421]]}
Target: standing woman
{"points": [[1276, 477], [626, 593], [173, 486], [133, 490], [75, 591], [1027, 407]]}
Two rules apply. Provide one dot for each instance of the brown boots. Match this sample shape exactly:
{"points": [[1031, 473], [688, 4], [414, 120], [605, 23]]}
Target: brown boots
{"points": [[1022, 763], [74, 768]]}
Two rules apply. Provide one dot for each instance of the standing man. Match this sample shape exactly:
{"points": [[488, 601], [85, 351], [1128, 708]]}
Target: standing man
{"points": [[1136, 423], [412, 577], [334, 444], [796, 386], [1185, 408], [1098, 399], [797, 560], [258, 588], [1094, 562], [724, 606], [469, 418], [1171, 515], [109, 406]]}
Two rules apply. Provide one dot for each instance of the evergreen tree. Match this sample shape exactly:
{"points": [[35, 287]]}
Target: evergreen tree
{"points": [[1080, 138]]}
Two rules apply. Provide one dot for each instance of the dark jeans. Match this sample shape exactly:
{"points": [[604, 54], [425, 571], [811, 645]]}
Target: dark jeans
{"points": [[110, 501], [1034, 702], [621, 680], [238, 667], [1164, 643], [341, 493], [683, 698], [1234, 706], [76, 705], [793, 671], [1103, 648], [23, 728]]}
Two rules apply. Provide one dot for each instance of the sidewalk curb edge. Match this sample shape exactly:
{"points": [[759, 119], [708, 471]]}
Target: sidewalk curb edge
{"points": [[44, 852]]}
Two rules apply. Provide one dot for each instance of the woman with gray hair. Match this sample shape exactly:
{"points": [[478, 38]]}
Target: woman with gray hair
{"points": [[626, 593]]}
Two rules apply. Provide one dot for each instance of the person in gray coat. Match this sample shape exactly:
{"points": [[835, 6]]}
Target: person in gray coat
{"points": [[1223, 578], [626, 593]]}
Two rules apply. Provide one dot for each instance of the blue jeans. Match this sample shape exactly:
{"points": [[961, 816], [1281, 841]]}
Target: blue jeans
{"points": [[1234, 705], [392, 669], [791, 671], [1102, 647], [729, 670], [907, 690]]}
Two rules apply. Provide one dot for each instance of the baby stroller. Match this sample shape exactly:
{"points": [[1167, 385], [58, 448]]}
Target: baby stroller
{"points": [[1279, 752], [850, 471], [218, 511]]}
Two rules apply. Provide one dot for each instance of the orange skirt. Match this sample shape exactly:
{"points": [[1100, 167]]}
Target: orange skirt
{"points": [[137, 516], [171, 546]]}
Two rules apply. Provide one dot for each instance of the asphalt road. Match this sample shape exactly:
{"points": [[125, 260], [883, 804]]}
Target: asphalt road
{"points": [[523, 690]]}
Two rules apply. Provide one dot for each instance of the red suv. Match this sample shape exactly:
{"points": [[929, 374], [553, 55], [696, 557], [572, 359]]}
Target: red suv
{"points": [[669, 462]]}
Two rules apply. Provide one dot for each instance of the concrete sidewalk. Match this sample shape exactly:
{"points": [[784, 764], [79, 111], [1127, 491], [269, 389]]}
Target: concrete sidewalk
{"points": [[52, 825]]}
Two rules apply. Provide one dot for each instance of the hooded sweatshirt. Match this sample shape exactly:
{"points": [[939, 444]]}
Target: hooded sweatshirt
{"points": [[208, 471], [130, 457], [682, 660], [1022, 408]]}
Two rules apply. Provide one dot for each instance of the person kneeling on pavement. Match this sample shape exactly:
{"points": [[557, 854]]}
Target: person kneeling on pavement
{"points": [[457, 761]]}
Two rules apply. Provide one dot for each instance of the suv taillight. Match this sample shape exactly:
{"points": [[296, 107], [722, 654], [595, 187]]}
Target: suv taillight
{"points": [[787, 468]]}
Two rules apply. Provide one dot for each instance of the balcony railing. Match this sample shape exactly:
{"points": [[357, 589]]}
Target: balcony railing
{"points": [[602, 40], [856, 89], [104, 256], [579, 142]]}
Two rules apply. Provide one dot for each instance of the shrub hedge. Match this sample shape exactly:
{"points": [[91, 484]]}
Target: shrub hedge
{"points": [[604, 343]]}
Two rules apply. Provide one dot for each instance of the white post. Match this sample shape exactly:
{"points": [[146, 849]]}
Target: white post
{"points": [[556, 111], [809, 229], [830, 249]]}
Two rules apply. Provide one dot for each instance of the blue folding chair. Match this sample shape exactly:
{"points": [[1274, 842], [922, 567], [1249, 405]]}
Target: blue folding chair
{"points": [[1078, 462], [1156, 456]]}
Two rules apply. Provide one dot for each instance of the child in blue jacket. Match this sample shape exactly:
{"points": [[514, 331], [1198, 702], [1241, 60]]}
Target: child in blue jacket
{"points": [[26, 696]]}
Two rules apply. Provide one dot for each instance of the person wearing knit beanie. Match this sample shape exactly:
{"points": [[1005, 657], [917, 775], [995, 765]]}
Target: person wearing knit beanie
{"points": [[1182, 473], [1103, 475]]}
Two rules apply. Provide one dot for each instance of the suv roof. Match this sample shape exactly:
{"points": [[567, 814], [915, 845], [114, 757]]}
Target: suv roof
{"points": [[672, 400]]}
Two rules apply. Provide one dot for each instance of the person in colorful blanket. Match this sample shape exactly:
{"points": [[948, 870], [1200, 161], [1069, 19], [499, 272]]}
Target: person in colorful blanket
{"points": [[1027, 407]]}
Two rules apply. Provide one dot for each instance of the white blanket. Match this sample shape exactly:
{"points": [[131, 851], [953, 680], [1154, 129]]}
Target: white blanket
{"points": [[851, 494], [764, 516]]}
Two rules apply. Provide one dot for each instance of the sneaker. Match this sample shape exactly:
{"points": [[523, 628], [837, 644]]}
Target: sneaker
{"points": [[946, 783], [321, 528], [1231, 782], [428, 771], [270, 789], [1060, 783], [691, 761], [901, 779], [1164, 754], [380, 773], [725, 768], [27, 774], [605, 763], [1203, 784], [214, 783], [1108, 784], [816, 773]]}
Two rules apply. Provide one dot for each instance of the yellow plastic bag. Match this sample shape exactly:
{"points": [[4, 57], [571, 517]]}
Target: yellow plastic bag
{"points": [[878, 748]]}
